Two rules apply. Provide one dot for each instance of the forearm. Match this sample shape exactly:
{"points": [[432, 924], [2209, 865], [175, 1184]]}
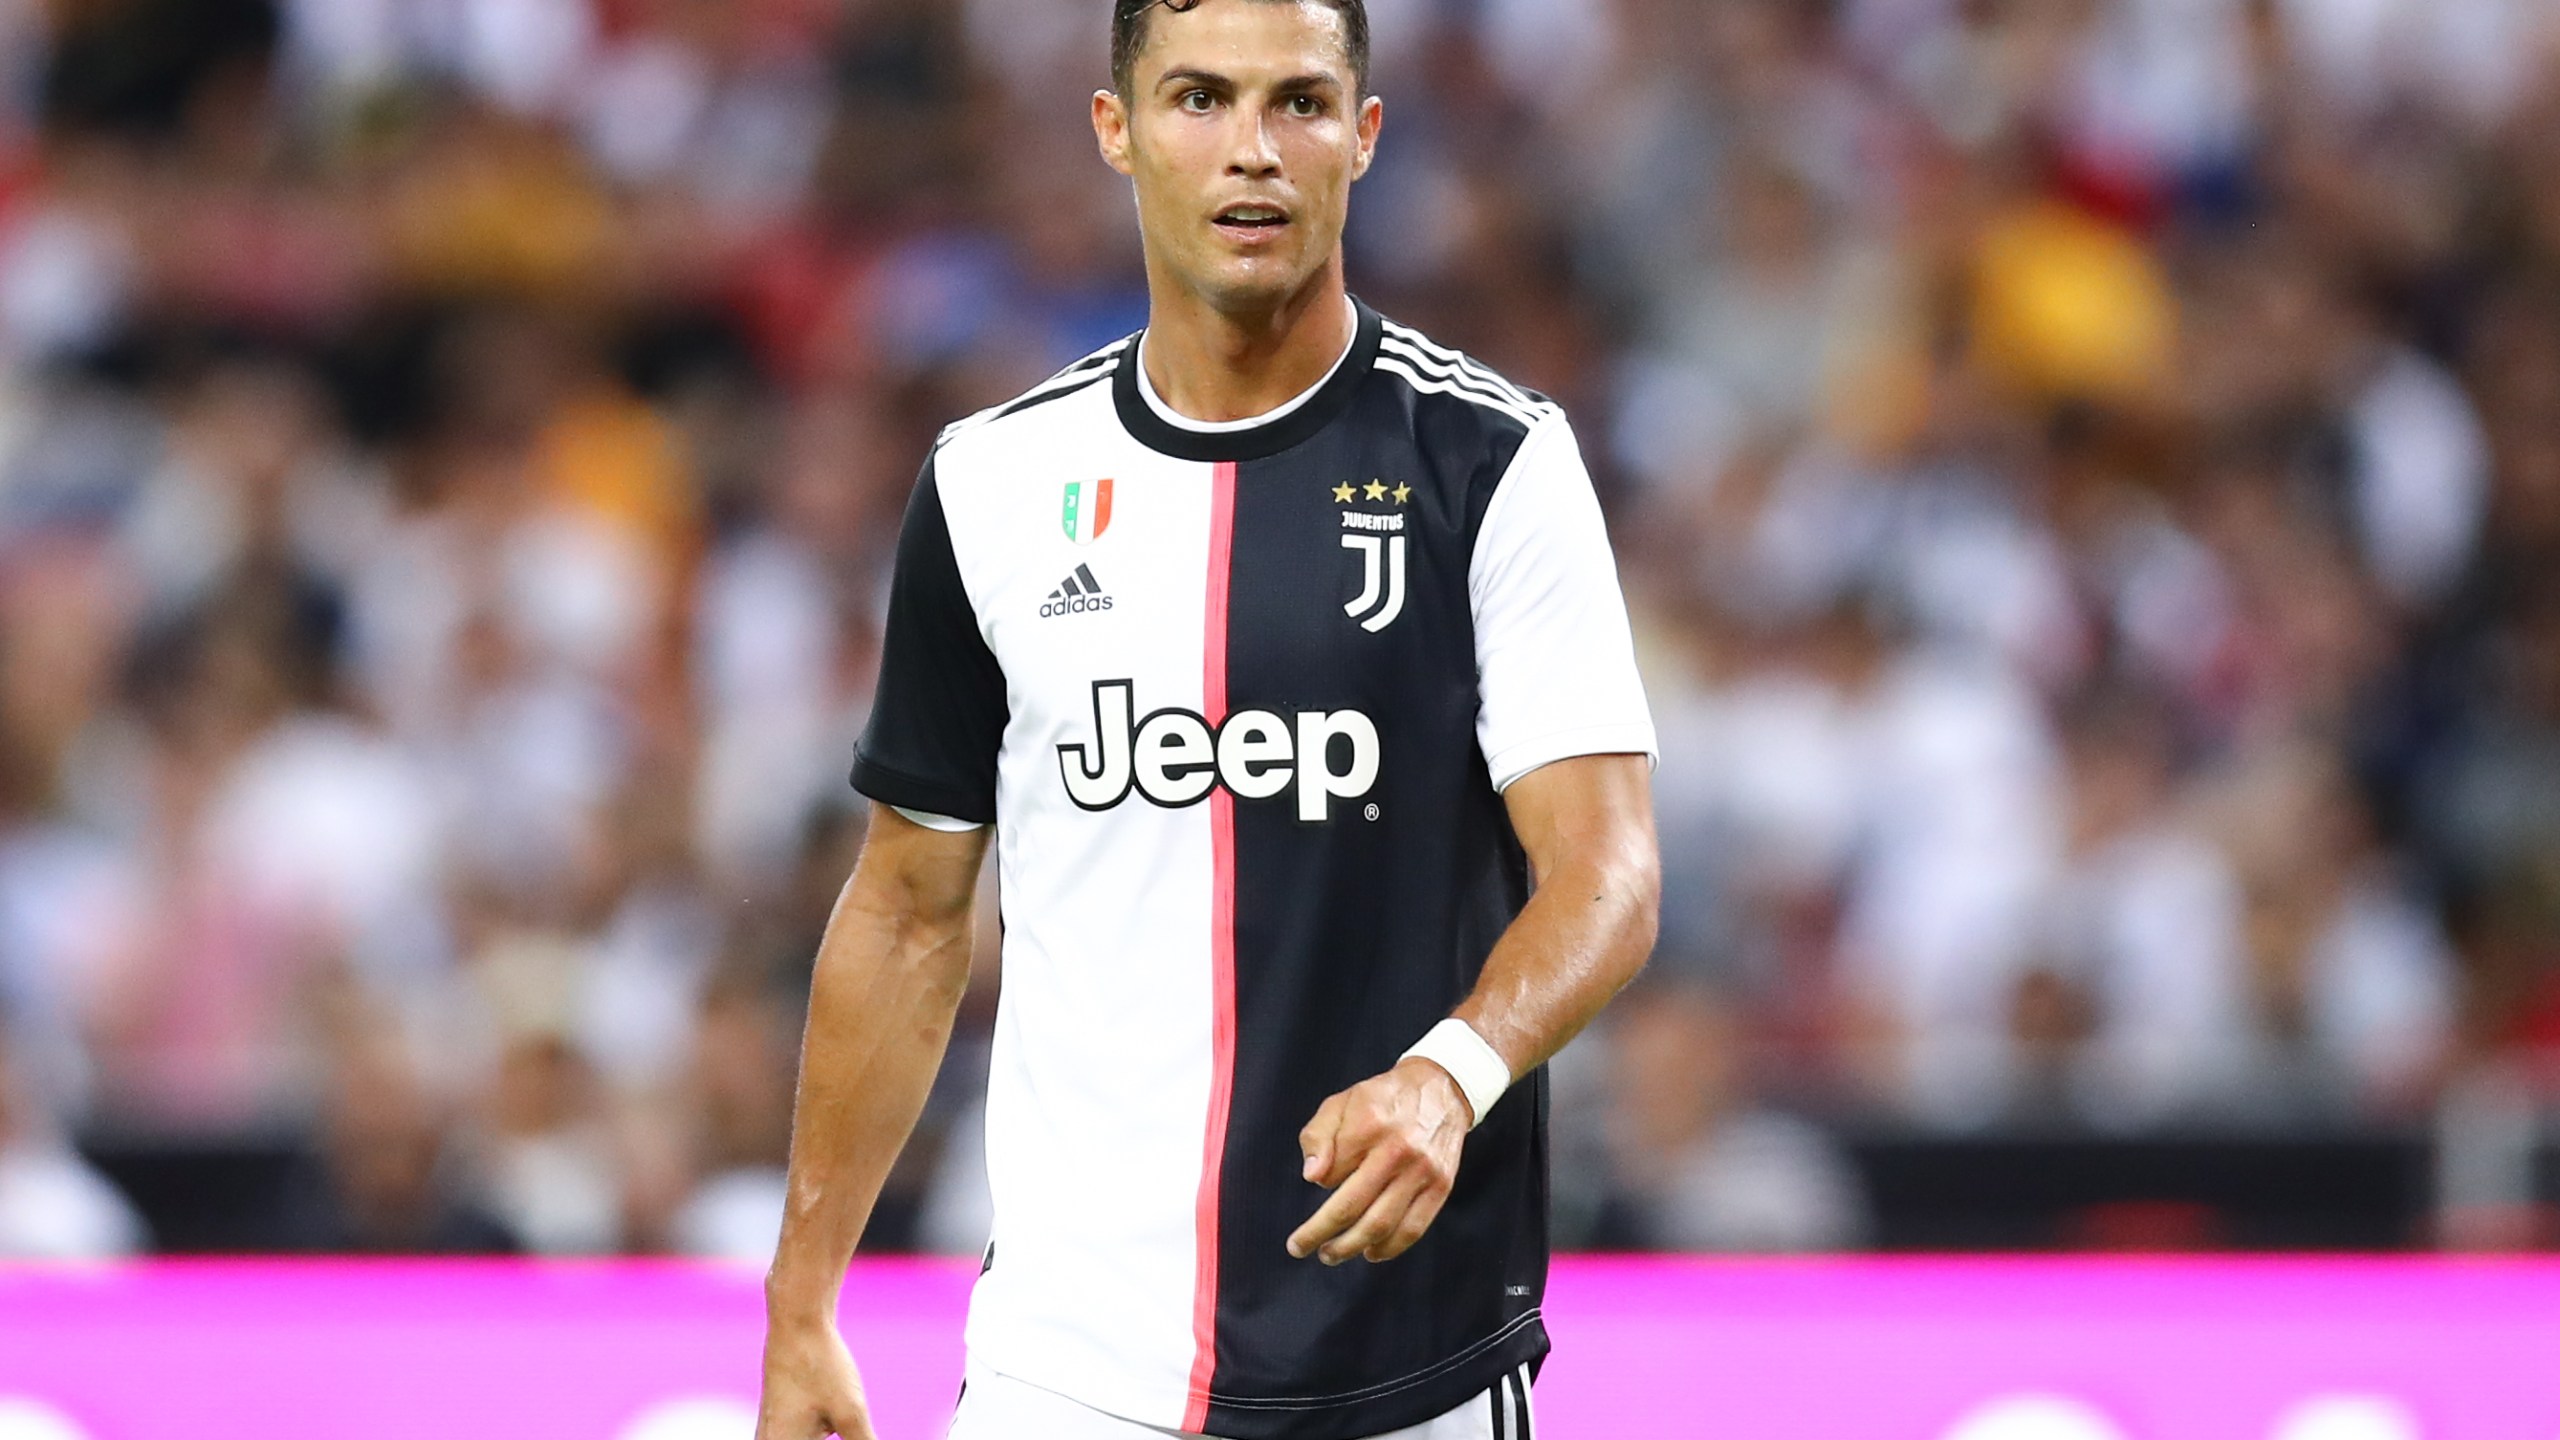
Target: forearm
{"points": [[890, 974], [1584, 934], [1587, 826], [1389, 1147]]}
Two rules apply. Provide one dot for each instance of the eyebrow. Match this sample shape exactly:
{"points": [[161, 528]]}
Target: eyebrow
{"points": [[1194, 77], [1296, 84], [1210, 80]]}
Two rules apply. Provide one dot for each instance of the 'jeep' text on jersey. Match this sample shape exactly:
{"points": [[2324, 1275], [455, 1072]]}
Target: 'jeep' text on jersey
{"points": [[1252, 843]]}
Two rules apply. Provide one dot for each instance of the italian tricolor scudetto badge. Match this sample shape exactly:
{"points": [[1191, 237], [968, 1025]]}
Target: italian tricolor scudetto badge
{"points": [[1088, 510]]}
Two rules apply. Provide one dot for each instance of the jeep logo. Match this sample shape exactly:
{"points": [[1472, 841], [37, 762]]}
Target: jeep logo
{"points": [[1174, 757]]}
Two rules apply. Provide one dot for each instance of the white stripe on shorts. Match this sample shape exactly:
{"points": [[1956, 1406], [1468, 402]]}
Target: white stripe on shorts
{"points": [[999, 1407]]}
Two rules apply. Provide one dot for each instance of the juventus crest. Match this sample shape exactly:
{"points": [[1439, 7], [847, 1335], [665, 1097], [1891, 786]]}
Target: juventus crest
{"points": [[1381, 580], [1377, 537]]}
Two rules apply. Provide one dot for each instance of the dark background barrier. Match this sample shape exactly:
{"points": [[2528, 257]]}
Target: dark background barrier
{"points": [[2371, 1192]]}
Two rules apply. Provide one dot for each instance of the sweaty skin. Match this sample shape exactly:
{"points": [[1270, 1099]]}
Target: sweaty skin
{"points": [[1388, 1146], [1234, 105], [1242, 134], [891, 970]]}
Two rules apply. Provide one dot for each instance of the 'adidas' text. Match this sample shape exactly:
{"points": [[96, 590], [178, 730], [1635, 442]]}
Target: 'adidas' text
{"points": [[1081, 594]]}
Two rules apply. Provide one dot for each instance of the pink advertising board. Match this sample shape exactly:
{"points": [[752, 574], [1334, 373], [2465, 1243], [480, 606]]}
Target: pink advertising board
{"points": [[1815, 1350]]}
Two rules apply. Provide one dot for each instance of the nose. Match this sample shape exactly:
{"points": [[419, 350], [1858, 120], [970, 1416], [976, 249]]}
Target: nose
{"points": [[1253, 156]]}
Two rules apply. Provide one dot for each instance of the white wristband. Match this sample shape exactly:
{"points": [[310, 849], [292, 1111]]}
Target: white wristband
{"points": [[1481, 1072]]}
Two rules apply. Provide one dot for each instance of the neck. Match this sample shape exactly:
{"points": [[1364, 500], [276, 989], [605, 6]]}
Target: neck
{"points": [[1218, 365]]}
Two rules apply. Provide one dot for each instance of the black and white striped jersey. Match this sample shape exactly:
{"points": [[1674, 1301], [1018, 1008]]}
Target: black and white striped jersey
{"points": [[1241, 702]]}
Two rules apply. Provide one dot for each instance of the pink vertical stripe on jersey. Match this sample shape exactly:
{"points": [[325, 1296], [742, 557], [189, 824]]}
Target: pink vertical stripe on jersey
{"points": [[1222, 958]]}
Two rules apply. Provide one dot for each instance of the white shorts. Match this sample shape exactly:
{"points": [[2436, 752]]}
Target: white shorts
{"points": [[999, 1407]]}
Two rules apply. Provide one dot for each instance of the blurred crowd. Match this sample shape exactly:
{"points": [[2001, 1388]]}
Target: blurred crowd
{"points": [[2086, 472]]}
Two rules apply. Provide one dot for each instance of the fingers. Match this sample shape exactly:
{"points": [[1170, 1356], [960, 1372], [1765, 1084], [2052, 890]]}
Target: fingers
{"points": [[847, 1420], [1345, 1205], [1393, 1166], [811, 1388], [773, 1426], [1415, 1224], [1378, 1222], [1318, 1142], [1380, 1213], [811, 1422]]}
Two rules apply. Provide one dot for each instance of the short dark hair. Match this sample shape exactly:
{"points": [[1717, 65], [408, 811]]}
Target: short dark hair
{"points": [[1129, 35]]}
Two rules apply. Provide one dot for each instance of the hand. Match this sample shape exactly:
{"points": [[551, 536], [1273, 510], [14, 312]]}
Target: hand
{"points": [[1388, 1149], [810, 1386]]}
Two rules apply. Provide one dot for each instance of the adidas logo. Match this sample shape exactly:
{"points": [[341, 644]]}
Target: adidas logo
{"points": [[1080, 593]]}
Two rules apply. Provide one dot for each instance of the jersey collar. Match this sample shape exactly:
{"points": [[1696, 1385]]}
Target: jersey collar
{"points": [[1253, 442]]}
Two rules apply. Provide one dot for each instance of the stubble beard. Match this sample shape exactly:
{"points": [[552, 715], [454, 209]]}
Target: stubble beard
{"points": [[1252, 291]]}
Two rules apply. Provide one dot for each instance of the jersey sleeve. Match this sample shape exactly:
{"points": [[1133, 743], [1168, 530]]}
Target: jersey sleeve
{"points": [[939, 712], [1555, 661]]}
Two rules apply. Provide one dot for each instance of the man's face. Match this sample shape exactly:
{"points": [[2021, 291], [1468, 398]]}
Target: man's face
{"points": [[1243, 130]]}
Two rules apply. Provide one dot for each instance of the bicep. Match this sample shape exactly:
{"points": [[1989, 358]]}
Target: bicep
{"points": [[916, 871], [1596, 809]]}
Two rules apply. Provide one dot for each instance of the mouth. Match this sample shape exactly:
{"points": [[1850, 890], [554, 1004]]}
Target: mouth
{"points": [[1245, 221]]}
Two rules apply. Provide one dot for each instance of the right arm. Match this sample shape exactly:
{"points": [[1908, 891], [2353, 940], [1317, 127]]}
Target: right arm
{"points": [[891, 968], [890, 974]]}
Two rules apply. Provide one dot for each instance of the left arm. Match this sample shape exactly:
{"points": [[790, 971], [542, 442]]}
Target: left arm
{"points": [[1388, 1147]]}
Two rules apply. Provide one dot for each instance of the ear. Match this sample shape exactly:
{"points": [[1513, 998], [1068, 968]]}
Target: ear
{"points": [[1373, 118], [1111, 129]]}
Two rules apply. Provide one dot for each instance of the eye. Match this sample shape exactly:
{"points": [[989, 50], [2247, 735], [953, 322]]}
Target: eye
{"points": [[1198, 102], [1305, 107]]}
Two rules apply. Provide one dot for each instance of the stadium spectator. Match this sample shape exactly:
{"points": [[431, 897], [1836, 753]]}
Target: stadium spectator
{"points": [[53, 1205], [1699, 1164], [385, 1179], [742, 1081]]}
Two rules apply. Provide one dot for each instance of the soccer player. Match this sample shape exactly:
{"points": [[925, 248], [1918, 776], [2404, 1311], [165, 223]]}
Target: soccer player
{"points": [[1283, 653]]}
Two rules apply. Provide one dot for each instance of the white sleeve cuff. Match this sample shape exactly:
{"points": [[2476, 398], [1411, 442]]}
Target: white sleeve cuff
{"points": [[1622, 738], [944, 823]]}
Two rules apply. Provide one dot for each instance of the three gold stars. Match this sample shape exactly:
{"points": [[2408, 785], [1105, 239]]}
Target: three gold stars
{"points": [[1346, 492]]}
